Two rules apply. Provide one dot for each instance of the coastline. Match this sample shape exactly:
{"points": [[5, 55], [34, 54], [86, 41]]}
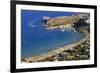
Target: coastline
{"points": [[56, 51], [77, 23]]}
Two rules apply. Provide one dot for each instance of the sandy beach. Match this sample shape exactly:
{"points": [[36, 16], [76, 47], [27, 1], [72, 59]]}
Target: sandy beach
{"points": [[55, 51]]}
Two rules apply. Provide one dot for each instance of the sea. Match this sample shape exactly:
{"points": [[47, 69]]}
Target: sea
{"points": [[35, 39]]}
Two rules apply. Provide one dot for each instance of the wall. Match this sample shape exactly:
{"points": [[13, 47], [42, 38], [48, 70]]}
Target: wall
{"points": [[5, 36]]}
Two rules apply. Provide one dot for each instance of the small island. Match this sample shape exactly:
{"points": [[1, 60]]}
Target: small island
{"points": [[78, 50]]}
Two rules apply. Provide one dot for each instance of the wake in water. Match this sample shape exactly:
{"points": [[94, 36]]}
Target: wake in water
{"points": [[33, 23]]}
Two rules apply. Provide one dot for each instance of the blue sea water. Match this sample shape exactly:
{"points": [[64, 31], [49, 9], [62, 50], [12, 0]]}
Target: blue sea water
{"points": [[35, 39]]}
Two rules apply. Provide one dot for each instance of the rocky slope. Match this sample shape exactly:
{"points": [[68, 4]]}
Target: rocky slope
{"points": [[74, 21]]}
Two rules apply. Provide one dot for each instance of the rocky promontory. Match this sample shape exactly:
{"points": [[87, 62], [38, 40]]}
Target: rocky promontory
{"points": [[73, 21]]}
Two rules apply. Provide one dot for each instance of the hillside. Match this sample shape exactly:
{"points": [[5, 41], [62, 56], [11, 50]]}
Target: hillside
{"points": [[65, 21]]}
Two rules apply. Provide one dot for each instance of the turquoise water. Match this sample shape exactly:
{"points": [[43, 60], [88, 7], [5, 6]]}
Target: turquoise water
{"points": [[35, 39]]}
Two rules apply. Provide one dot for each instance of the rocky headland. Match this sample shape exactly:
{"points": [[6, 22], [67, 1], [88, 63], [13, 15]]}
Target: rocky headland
{"points": [[74, 21]]}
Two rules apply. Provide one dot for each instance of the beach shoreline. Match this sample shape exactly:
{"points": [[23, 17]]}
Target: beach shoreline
{"points": [[55, 51]]}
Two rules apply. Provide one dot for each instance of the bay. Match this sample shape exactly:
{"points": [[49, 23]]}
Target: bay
{"points": [[35, 39]]}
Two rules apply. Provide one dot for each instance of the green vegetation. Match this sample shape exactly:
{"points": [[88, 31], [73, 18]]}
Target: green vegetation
{"points": [[79, 52]]}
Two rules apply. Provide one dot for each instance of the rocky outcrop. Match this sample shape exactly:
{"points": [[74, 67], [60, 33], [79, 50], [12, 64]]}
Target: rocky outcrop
{"points": [[74, 21]]}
